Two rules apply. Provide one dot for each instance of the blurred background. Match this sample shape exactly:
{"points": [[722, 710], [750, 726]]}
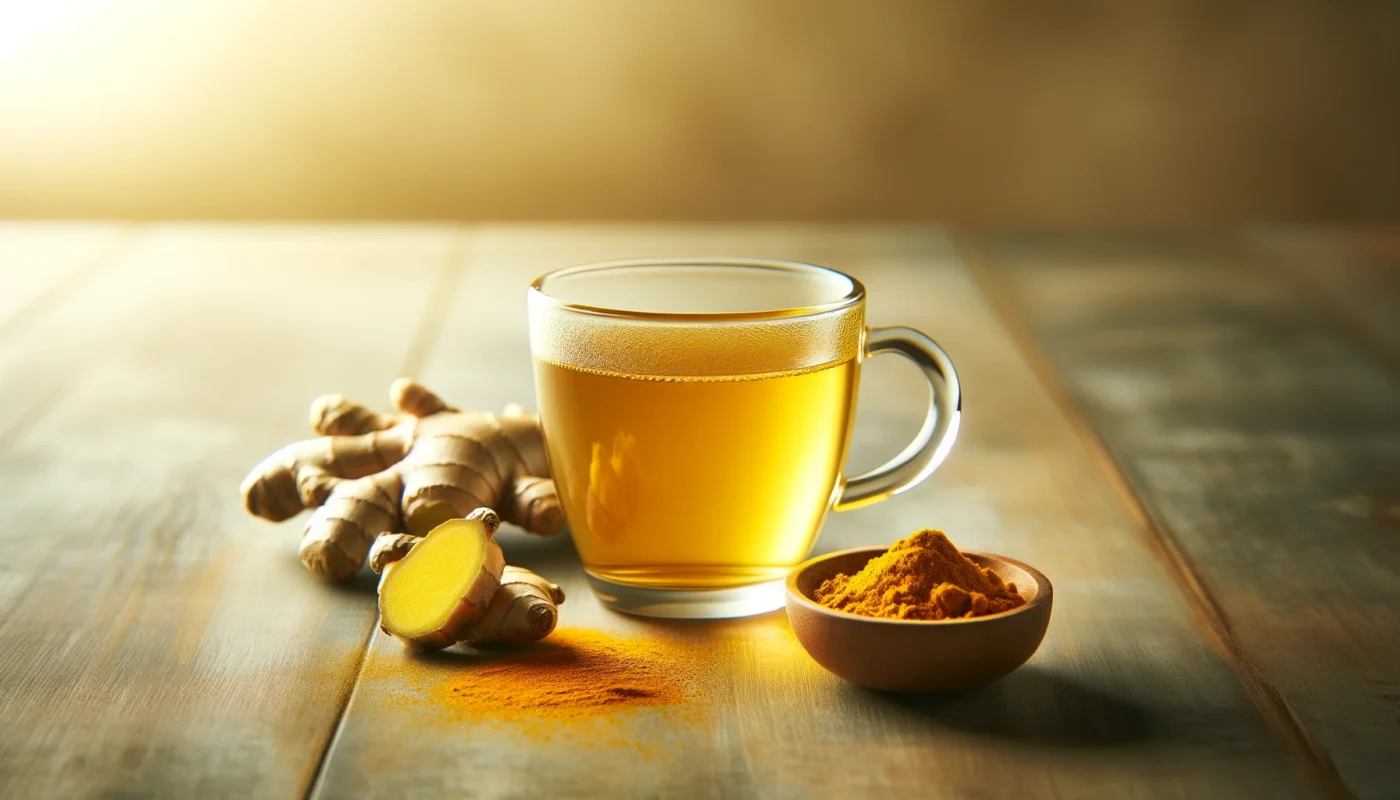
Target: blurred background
{"points": [[972, 113]]}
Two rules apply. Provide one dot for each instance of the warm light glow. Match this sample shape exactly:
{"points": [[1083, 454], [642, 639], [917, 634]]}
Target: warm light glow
{"points": [[628, 109], [22, 19]]}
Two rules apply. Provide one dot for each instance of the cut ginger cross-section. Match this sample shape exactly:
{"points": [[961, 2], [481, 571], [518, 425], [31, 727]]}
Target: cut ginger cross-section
{"points": [[444, 585]]}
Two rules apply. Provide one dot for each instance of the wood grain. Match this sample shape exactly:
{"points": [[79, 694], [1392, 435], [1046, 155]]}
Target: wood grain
{"points": [[1355, 273], [43, 265], [38, 261], [158, 642], [1128, 697], [1263, 437]]}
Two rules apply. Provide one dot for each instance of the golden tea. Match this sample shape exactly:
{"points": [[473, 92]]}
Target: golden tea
{"points": [[695, 482]]}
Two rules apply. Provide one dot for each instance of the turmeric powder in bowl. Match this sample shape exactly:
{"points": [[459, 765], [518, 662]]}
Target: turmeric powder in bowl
{"points": [[921, 577]]}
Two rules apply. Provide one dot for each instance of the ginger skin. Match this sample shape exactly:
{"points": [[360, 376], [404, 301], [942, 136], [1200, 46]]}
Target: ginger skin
{"points": [[524, 607], [370, 474]]}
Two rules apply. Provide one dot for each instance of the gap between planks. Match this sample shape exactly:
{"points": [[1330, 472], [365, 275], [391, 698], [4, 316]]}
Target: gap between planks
{"points": [[1273, 707], [420, 346]]}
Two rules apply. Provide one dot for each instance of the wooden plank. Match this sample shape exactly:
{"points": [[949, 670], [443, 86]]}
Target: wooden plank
{"points": [[39, 262], [46, 267], [1265, 445], [1356, 272], [157, 641], [1127, 698]]}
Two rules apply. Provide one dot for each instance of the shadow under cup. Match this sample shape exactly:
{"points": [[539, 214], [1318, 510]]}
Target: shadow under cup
{"points": [[697, 417]]}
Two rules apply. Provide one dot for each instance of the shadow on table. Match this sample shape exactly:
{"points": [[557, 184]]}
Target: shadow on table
{"points": [[1034, 706], [364, 583], [547, 555]]}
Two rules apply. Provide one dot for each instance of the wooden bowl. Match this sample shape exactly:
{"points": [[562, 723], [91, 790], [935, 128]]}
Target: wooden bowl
{"points": [[916, 655]]}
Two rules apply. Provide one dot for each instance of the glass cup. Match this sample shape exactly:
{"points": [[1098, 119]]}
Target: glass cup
{"points": [[697, 416]]}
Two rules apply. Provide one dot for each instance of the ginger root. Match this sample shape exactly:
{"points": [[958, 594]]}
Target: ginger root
{"points": [[371, 474], [453, 586]]}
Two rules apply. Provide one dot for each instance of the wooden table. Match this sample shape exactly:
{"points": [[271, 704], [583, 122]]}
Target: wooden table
{"points": [[1197, 437]]}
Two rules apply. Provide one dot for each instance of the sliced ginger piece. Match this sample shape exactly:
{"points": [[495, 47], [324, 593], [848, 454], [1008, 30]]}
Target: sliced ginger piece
{"points": [[525, 609], [433, 595]]}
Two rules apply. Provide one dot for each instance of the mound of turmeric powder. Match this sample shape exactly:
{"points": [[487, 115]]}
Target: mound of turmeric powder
{"points": [[922, 577]]}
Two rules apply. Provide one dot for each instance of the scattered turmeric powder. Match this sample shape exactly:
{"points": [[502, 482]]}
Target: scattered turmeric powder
{"points": [[921, 577], [574, 673]]}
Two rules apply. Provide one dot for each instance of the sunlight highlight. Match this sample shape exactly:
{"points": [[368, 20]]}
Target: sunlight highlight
{"points": [[21, 20]]}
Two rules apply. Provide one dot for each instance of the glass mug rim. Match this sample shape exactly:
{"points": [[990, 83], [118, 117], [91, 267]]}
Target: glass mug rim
{"points": [[853, 297]]}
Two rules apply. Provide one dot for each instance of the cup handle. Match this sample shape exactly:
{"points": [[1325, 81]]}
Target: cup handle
{"points": [[935, 438]]}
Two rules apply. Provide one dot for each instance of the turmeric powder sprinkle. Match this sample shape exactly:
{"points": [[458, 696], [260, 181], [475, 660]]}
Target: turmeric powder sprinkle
{"points": [[585, 687], [574, 673], [921, 577]]}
